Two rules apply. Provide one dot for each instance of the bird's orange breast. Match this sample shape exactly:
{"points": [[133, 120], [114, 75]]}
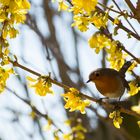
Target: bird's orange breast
{"points": [[109, 85]]}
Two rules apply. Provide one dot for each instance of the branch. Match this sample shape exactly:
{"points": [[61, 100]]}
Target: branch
{"points": [[113, 10], [67, 88], [133, 9], [131, 6], [125, 17], [120, 25]]}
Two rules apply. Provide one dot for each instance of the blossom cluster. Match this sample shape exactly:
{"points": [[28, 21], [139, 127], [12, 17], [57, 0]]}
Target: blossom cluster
{"points": [[134, 88], [4, 75], [12, 12], [85, 13], [42, 85], [74, 101], [115, 56], [117, 119], [77, 132]]}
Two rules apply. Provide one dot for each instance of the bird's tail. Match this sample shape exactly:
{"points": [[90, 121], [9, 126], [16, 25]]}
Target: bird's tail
{"points": [[122, 72], [125, 67]]}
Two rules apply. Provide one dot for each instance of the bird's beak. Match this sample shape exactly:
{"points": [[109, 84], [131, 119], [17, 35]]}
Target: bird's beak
{"points": [[88, 81]]}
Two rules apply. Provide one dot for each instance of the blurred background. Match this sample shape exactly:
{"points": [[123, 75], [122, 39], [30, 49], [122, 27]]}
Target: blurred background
{"points": [[48, 43]]}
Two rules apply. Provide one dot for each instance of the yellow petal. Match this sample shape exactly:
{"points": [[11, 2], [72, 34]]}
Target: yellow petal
{"points": [[116, 124], [62, 6], [30, 79]]}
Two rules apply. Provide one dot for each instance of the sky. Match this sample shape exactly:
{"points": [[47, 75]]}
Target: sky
{"points": [[28, 46]]}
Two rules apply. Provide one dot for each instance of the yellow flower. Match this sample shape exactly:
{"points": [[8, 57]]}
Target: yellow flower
{"points": [[9, 31], [98, 42], [134, 89], [24, 4], [116, 21], [32, 115], [11, 12], [4, 56], [82, 22], [77, 133], [19, 6], [68, 136], [42, 85], [117, 119], [75, 10], [134, 64], [3, 16], [115, 56], [80, 135], [4, 75], [85, 5], [136, 108], [62, 6], [56, 136], [48, 125], [74, 101], [79, 127], [5, 2], [17, 18], [99, 20], [16, 10], [68, 122]]}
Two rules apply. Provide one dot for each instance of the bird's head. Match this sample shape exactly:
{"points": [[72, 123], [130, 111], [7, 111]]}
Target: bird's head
{"points": [[95, 76]]}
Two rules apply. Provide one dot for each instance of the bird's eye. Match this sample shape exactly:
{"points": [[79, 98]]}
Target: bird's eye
{"points": [[97, 74]]}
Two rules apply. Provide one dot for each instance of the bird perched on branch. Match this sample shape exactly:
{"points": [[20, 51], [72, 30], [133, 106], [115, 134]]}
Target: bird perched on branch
{"points": [[109, 82]]}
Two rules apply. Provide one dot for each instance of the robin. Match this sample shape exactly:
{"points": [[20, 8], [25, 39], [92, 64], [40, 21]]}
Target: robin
{"points": [[109, 82]]}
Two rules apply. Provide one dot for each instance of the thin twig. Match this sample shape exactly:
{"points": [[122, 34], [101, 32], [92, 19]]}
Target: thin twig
{"points": [[125, 17], [131, 6], [113, 10], [120, 25]]}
